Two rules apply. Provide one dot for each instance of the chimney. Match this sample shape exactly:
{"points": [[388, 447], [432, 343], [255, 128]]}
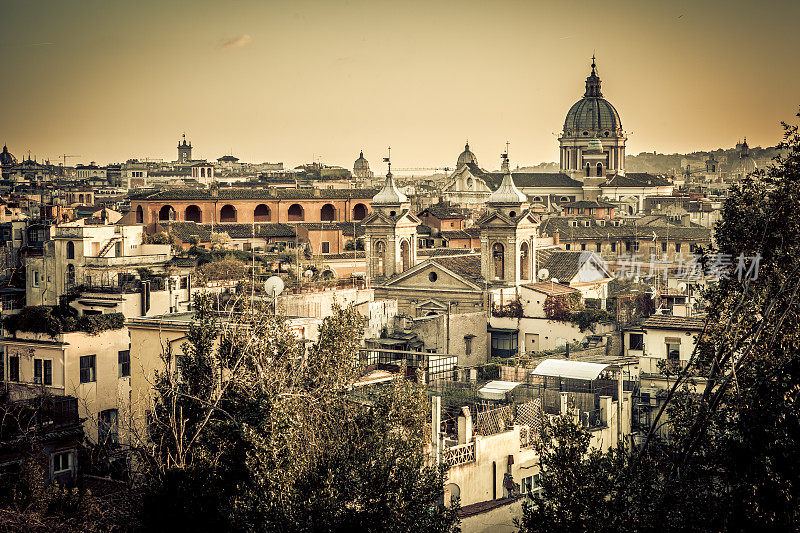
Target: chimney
{"points": [[556, 237], [464, 426], [686, 220]]}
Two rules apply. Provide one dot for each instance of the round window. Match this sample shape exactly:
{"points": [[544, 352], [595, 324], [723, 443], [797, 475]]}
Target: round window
{"points": [[512, 214], [433, 276]]}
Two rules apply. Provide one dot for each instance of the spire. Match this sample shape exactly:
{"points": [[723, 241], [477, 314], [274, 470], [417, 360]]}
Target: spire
{"points": [[389, 194], [593, 83], [507, 192]]}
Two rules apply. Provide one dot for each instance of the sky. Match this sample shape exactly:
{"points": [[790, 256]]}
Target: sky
{"points": [[302, 81]]}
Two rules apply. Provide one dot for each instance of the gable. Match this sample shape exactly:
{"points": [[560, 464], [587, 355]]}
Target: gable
{"points": [[430, 275]]}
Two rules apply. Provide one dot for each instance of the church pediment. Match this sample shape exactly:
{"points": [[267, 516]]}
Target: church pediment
{"points": [[431, 275]]}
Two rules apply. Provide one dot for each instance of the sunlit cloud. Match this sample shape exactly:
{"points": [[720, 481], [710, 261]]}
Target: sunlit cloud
{"points": [[236, 42]]}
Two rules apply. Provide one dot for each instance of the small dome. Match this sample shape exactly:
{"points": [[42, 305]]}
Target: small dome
{"points": [[507, 193], [595, 145], [6, 157], [361, 163], [389, 194], [466, 158]]}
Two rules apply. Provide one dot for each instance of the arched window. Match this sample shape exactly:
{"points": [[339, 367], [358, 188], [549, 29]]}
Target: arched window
{"points": [[193, 214], [380, 254], [139, 215], [261, 213], [70, 250], [70, 275], [524, 261], [599, 169], [227, 213], [359, 211], [588, 169], [327, 213], [498, 255], [202, 172], [296, 213], [166, 213], [469, 184], [405, 255]]}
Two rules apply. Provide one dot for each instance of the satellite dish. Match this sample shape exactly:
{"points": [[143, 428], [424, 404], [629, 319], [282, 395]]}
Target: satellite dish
{"points": [[682, 286], [554, 280], [543, 274], [308, 274], [273, 286]]}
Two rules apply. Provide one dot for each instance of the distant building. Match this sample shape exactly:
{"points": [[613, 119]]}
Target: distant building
{"points": [[184, 151], [361, 168]]}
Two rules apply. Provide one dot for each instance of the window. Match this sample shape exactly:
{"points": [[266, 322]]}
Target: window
{"points": [[43, 371], [504, 344], [107, 427], [468, 345], [636, 341], [326, 247], [567, 246], [88, 373], [124, 359], [673, 351], [35, 278], [613, 246], [13, 368], [677, 247], [599, 246], [531, 485], [664, 246], [70, 250], [184, 282], [432, 277], [583, 246], [62, 462]]}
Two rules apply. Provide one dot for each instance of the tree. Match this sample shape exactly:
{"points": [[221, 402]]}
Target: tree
{"points": [[251, 431]]}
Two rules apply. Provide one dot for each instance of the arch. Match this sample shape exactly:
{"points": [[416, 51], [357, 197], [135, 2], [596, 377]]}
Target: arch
{"points": [[193, 214], [327, 213], [599, 169], [454, 491], [524, 261], [405, 255], [380, 255], [499, 257], [70, 275], [202, 172], [227, 213], [588, 169], [80, 198], [139, 215], [166, 213], [359, 211], [296, 213], [70, 250], [261, 213]]}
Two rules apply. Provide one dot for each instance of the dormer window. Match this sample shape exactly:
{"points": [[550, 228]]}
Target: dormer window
{"points": [[586, 223], [574, 223]]}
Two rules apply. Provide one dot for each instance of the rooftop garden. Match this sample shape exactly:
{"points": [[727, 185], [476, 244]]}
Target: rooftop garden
{"points": [[57, 320]]}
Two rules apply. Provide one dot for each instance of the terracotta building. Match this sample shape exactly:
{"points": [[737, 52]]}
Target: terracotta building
{"points": [[221, 206]]}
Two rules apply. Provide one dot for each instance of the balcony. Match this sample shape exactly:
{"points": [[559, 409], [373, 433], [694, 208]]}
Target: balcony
{"points": [[459, 455]]}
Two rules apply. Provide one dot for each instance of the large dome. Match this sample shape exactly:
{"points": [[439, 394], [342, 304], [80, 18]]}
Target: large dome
{"points": [[466, 158], [7, 158], [592, 114]]}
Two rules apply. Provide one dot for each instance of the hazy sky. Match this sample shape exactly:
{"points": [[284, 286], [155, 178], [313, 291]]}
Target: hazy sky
{"points": [[299, 80]]}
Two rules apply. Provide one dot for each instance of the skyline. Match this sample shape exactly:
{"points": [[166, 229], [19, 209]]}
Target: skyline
{"points": [[112, 82]]}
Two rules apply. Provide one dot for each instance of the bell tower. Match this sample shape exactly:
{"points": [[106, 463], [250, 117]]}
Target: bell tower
{"points": [[390, 232], [508, 236], [184, 150]]}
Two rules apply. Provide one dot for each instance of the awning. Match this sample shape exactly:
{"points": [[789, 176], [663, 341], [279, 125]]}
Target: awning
{"points": [[496, 390], [569, 369]]}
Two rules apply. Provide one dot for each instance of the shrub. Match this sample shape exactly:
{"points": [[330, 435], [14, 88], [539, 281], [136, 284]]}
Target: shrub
{"points": [[54, 321]]}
